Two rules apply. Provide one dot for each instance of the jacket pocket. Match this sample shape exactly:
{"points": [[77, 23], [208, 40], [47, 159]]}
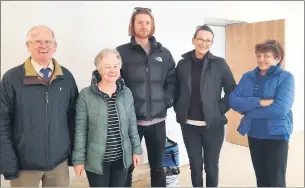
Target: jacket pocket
{"points": [[279, 127], [93, 161], [95, 147], [180, 112], [244, 126], [219, 117], [21, 143], [168, 102], [95, 119]]}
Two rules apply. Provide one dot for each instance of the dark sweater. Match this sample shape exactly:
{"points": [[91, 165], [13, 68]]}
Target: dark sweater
{"points": [[195, 111]]}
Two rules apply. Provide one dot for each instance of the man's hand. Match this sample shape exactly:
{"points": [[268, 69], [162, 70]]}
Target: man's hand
{"points": [[266, 102], [79, 169], [136, 160]]}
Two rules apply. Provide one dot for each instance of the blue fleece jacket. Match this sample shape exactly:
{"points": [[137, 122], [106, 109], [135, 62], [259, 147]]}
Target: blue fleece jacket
{"points": [[274, 121]]}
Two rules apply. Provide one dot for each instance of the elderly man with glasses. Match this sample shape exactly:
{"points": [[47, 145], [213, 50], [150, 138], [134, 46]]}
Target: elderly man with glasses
{"points": [[148, 69], [37, 118]]}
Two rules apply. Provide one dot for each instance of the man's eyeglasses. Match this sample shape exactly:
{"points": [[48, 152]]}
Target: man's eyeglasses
{"points": [[41, 42], [141, 9]]}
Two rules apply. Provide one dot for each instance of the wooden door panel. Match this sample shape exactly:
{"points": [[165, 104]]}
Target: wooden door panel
{"points": [[240, 42]]}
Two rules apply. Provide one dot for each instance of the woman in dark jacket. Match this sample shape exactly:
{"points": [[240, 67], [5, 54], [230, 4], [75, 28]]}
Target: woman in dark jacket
{"points": [[199, 108], [265, 96]]}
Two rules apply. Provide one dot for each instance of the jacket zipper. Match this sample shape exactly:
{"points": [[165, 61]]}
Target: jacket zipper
{"points": [[47, 124], [147, 78], [106, 136], [147, 91], [122, 139], [147, 85]]}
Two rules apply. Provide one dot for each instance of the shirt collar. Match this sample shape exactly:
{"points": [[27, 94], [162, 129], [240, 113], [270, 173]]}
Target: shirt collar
{"points": [[38, 67]]}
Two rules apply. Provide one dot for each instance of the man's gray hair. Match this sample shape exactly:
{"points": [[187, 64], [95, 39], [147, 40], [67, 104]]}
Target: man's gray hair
{"points": [[29, 34], [105, 52]]}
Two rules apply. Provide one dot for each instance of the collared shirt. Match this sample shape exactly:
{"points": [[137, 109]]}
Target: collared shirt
{"points": [[38, 67]]}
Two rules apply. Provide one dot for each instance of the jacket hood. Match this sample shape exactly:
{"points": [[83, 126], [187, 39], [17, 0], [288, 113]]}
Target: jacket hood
{"points": [[96, 78]]}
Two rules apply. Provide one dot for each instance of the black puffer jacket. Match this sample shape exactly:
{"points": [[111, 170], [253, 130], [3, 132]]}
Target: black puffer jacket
{"points": [[215, 76], [37, 121], [151, 78]]}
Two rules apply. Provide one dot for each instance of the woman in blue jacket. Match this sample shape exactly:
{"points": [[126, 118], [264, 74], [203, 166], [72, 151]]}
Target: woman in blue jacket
{"points": [[265, 96]]}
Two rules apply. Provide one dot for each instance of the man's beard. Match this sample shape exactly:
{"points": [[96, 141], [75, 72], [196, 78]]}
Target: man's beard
{"points": [[141, 35]]}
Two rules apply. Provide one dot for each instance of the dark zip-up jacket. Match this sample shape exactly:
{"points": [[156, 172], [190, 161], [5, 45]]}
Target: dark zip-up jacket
{"points": [[215, 76], [151, 78], [37, 120]]}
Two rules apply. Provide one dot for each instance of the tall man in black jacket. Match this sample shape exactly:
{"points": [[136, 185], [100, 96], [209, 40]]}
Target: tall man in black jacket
{"points": [[37, 116], [199, 108], [149, 71]]}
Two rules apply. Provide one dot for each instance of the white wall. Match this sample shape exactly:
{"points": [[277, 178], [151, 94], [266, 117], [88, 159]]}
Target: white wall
{"points": [[84, 28]]}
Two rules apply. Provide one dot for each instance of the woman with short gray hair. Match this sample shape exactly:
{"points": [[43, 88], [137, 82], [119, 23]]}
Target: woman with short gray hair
{"points": [[106, 134]]}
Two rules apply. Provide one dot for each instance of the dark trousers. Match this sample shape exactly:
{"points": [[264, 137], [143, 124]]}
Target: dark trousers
{"points": [[210, 140], [269, 159], [114, 175], [155, 136]]}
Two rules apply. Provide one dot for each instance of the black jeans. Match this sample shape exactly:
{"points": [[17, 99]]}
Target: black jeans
{"points": [[155, 136], [114, 175], [210, 140], [269, 159]]}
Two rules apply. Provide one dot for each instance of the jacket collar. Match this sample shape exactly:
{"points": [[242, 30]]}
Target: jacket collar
{"points": [[271, 71], [153, 43], [188, 55], [31, 76], [38, 67]]}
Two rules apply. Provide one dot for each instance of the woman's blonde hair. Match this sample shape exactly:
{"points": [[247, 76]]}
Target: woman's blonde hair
{"points": [[106, 51]]}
